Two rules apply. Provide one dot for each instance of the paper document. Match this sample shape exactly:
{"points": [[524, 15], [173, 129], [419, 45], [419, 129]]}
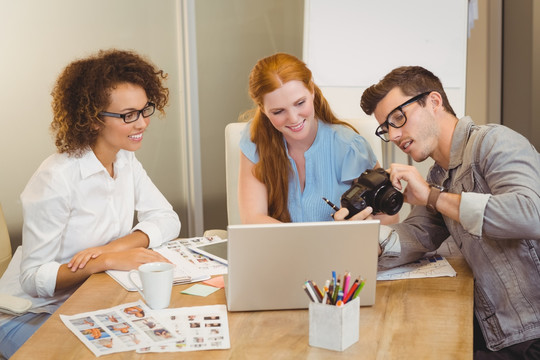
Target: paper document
{"points": [[197, 328], [134, 326], [184, 270], [432, 266], [120, 328], [211, 267]]}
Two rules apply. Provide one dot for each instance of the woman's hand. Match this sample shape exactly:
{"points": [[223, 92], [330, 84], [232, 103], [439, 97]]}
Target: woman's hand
{"points": [[136, 239], [81, 258], [131, 259], [365, 214]]}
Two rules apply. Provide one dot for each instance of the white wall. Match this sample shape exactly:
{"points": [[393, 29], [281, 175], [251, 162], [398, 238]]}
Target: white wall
{"points": [[37, 39], [231, 36]]}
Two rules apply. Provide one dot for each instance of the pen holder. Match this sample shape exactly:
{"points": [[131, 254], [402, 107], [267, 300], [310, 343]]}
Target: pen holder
{"points": [[334, 327]]}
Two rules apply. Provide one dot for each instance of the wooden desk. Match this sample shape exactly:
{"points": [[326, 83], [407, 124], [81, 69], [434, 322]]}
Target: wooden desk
{"points": [[411, 319]]}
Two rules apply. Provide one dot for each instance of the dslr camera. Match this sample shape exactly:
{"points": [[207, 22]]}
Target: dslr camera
{"points": [[373, 188]]}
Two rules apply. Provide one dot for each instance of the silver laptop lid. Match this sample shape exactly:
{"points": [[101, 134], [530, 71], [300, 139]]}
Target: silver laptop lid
{"points": [[269, 263]]}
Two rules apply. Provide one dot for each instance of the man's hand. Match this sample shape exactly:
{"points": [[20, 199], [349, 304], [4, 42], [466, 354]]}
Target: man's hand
{"points": [[417, 189]]}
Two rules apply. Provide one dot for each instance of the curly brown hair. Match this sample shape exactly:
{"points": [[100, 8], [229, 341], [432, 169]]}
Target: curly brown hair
{"points": [[82, 91]]}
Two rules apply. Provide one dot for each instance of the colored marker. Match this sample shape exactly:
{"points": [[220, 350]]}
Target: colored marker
{"points": [[308, 293], [311, 290], [346, 280], [353, 288], [339, 301], [359, 288], [318, 291], [326, 287], [336, 291]]}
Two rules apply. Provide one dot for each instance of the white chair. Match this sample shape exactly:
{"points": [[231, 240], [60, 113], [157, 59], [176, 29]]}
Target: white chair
{"points": [[232, 168], [365, 127], [232, 165], [5, 244]]}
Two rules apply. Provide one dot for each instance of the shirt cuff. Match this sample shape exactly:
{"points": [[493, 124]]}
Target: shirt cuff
{"points": [[46, 279], [152, 231], [471, 211], [389, 242]]}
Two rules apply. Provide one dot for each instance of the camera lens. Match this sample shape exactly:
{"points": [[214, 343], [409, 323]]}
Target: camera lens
{"points": [[389, 201]]}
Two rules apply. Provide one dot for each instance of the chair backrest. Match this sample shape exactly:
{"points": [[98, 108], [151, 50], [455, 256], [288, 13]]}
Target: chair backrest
{"points": [[5, 244], [232, 167], [366, 128]]}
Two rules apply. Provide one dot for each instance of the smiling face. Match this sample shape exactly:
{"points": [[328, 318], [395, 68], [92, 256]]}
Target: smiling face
{"points": [[419, 136], [115, 134], [290, 110]]}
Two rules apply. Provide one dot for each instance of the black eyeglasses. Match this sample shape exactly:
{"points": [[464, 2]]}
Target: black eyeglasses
{"points": [[396, 118], [133, 116]]}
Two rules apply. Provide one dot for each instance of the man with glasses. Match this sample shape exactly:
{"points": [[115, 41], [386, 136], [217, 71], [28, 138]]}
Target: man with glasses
{"points": [[483, 190]]}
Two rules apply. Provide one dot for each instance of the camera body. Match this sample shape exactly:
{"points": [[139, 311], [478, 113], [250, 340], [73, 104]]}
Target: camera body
{"points": [[373, 188]]}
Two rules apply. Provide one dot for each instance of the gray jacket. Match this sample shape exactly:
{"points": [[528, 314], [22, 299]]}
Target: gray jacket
{"points": [[497, 173]]}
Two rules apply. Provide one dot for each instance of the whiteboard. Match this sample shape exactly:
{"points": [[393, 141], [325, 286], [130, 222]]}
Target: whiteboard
{"points": [[350, 45], [354, 43]]}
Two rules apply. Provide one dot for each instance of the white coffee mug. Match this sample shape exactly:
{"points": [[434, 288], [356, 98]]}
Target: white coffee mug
{"points": [[156, 279]]}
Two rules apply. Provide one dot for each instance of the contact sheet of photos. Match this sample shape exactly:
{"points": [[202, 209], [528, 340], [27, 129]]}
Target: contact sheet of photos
{"points": [[196, 328], [134, 326], [209, 266]]}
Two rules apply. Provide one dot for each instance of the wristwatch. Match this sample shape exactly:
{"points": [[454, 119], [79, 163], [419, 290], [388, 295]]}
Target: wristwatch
{"points": [[434, 193]]}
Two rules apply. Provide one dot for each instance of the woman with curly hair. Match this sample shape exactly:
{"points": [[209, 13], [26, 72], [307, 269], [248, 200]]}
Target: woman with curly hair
{"points": [[294, 151], [79, 205]]}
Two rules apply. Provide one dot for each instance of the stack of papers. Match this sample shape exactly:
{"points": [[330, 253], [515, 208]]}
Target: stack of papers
{"points": [[184, 272]]}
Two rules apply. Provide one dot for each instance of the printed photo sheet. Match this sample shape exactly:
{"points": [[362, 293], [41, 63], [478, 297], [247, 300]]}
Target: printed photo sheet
{"points": [[203, 263], [430, 266], [122, 328], [196, 328]]}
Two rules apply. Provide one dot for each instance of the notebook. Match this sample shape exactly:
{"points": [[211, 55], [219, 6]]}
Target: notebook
{"points": [[184, 271], [269, 263]]}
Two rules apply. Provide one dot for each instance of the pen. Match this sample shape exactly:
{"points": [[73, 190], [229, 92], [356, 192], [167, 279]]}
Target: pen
{"points": [[331, 204]]}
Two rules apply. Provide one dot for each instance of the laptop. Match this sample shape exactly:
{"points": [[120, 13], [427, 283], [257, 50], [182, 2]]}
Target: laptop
{"points": [[269, 263]]}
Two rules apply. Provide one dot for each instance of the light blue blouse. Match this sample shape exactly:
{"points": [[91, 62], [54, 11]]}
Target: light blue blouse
{"points": [[337, 157]]}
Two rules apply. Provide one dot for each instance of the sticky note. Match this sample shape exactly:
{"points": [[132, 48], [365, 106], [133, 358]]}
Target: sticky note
{"points": [[200, 290], [216, 282]]}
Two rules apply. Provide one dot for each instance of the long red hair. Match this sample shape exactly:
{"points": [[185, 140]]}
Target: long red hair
{"points": [[274, 168]]}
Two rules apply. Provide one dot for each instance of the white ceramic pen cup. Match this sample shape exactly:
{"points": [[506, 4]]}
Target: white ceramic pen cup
{"points": [[156, 279]]}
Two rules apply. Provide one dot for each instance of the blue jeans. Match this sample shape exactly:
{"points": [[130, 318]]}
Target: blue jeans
{"points": [[14, 333]]}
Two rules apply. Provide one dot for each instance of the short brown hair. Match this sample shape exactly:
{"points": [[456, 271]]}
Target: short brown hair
{"points": [[412, 80], [82, 91]]}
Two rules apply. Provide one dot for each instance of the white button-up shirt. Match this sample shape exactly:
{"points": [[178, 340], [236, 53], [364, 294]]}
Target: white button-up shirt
{"points": [[71, 204]]}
